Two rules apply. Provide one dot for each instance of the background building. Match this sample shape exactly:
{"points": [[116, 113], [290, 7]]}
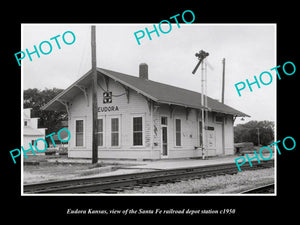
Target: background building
{"points": [[31, 132]]}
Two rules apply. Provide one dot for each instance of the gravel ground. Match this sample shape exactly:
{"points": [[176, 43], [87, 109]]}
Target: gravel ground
{"points": [[213, 185], [228, 184], [51, 170]]}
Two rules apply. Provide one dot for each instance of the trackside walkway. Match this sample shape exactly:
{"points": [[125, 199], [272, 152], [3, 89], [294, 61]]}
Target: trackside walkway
{"points": [[51, 169], [160, 164]]}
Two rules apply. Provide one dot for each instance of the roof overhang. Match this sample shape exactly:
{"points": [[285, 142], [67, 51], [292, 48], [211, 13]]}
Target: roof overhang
{"points": [[187, 105], [60, 102], [57, 103]]}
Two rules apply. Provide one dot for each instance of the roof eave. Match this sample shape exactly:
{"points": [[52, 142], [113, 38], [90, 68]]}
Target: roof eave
{"points": [[147, 95], [127, 84], [183, 105], [57, 97]]}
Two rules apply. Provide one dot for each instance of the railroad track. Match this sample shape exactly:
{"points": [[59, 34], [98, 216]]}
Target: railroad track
{"points": [[264, 189], [119, 183]]}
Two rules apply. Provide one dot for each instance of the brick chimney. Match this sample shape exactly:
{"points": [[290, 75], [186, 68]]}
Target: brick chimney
{"points": [[143, 71]]}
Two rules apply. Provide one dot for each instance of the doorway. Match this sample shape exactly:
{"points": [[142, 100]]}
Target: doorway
{"points": [[164, 136]]}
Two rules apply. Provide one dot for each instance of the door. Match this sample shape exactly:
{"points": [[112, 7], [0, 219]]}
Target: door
{"points": [[164, 141]]}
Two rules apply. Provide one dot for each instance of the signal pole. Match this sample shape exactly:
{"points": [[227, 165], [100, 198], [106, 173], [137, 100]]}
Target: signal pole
{"points": [[201, 56], [203, 112], [223, 80], [94, 98], [223, 119]]}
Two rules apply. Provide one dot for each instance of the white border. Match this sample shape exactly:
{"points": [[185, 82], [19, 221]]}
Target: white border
{"points": [[117, 24]]}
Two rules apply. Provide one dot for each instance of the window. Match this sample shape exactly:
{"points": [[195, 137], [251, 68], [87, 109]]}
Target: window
{"points": [[137, 131], [25, 123], [164, 120], [79, 132], [178, 132], [115, 132], [219, 119], [100, 132]]}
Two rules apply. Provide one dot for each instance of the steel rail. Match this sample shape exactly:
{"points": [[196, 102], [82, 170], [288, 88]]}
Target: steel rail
{"points": [[260, 190], [118, 182]]}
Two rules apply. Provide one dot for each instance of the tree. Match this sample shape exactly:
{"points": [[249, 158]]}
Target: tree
{"points": [[35, 99], [248, 132]]}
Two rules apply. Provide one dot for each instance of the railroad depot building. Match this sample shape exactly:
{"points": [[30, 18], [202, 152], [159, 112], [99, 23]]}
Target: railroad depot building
{"points": [[142, 119]]}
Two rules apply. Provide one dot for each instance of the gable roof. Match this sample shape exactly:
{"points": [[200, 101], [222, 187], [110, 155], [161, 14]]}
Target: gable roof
{"points": [[158, 92]]}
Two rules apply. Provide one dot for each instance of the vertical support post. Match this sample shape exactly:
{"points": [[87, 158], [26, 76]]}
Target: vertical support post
{"points": [[205, 102], [202, 112], [201, 56], [205, 92], [223, 123], [151, 130], [223, 80], [94, 98], [258, 141]]}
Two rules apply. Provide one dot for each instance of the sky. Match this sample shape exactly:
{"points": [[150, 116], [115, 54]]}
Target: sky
{"points": [[249, 49]]}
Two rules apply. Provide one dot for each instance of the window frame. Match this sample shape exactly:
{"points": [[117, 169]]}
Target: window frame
{"points": [[83, 133], [143, 130], [114, 132], [219, 116], [166, 120], [103, 131], [111, 132], [175, 130], [137, 132]]}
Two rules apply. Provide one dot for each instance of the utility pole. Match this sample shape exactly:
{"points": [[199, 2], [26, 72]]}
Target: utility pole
{"points": [[223, 80], [94, 98], [223, 122]]}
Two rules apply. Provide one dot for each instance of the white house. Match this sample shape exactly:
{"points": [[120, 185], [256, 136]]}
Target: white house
{"points": [[31, 132]]}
